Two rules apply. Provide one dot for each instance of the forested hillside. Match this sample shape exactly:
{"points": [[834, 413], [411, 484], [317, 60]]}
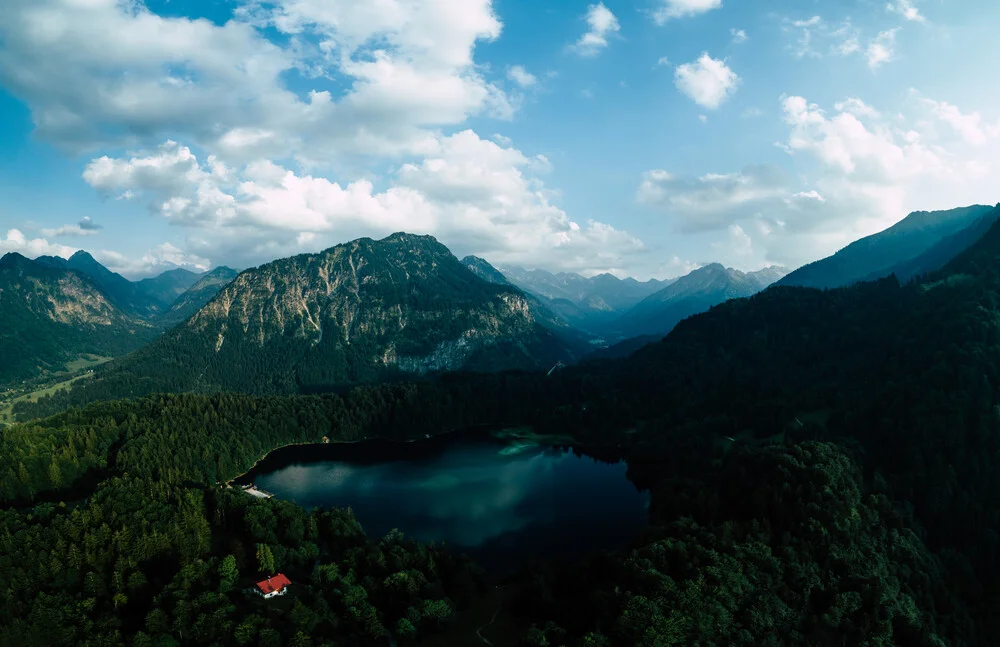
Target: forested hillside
{"points": [[51, 316], [923, 241], [823, 468], [363, 312]]}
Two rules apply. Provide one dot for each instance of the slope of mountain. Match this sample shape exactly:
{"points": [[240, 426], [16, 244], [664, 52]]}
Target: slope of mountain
{"points": [[875, 256], [163, 290], [691, 294], [360, 312], [942, 252], [51, 316], [147, 298], [196, 296], [482, 268], [545, 312], [822, 469]]}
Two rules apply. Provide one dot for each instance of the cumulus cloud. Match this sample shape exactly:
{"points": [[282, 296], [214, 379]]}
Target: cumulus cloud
{"points": [[86, 227], [16, 241], [601, 24], [855, 171], [906, 9], [671, 9], [882, 49], [521, 76], [715, 200], [155, 261], [739, 36], [478, 196], [970, 126], [109, 73], [707, 81]]}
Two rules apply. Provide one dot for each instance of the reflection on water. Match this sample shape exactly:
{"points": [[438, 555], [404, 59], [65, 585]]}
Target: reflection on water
{"points": [[498, 503]]}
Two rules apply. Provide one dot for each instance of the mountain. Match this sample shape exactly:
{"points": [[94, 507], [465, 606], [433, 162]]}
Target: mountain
{"points": [[52, 315], [482, 268], [197, 295], [691, 294], [585, 303], [361, 312], [147, 298], [545, 311], [878, 255], [942, 252], [163, 290], [821, 465]]}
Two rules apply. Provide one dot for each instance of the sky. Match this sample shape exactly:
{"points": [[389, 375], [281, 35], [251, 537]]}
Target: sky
{"points": [[641, 138]]}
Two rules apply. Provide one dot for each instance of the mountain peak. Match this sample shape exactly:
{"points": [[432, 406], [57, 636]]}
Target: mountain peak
{"points": [[81, 255], [14, 259]]}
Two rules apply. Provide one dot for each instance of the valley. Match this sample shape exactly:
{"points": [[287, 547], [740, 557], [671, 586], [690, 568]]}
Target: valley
{"points": [[686, 486]]}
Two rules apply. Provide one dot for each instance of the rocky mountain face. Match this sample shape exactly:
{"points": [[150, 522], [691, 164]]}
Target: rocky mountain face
{"points": [[899, 248], [482, 268], [52, 315], [195, 297], [543, 310], [691, 294], [147, 298], [360, 312]]}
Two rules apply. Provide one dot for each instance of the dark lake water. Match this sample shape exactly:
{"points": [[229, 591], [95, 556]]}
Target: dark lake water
{"points": [[497, 502]]}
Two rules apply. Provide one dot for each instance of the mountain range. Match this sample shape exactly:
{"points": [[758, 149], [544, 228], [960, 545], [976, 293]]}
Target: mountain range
{"points": [[371, 310], [922, 242], [360, 312], [52, 315]]}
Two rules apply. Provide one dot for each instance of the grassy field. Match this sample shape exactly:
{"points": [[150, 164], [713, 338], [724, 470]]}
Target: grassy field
{"points": [[76, 370]]}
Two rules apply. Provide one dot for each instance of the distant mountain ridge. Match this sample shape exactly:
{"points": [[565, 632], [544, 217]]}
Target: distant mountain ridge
{"points": [[146, 298], [691, 294], [364, 311], [896, 249], [588, 304], [51, 315], [195, 297]]}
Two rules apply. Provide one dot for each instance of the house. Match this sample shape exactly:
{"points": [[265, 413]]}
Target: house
{"points": [[272, 586]]}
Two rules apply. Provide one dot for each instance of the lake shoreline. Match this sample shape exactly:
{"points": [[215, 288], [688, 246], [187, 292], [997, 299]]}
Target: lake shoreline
{"points": [[481, 428], [510, 434]]}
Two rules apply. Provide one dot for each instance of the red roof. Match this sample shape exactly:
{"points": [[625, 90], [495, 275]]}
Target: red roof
{"points": [[273, 583]]}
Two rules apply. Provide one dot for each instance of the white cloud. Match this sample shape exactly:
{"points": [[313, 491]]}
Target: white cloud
{"points": [[601, 25], [155, 261], [882, 49], [86, 227], [846, 143], [906, 9], [381, 78], [970, 126], [67, 230], [739, 36], [16, 241], [662, 61], [714, 200], [752, 112], [477, 196], [521, 76], [671, 9], [707, 81], [818, 38], [855, 170]]}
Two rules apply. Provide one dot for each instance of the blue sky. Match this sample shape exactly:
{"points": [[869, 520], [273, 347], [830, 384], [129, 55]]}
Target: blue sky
{"points": [[639, 138]]}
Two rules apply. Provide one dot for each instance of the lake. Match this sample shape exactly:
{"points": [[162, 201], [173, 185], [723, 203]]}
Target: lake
{"points": [[501, 503]]}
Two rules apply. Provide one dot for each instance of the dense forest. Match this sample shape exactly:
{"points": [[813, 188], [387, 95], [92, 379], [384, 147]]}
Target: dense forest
{"points": [[824, 469]]}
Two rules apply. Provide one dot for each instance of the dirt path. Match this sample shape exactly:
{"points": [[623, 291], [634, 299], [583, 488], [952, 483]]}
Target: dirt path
{"points": [[479, 632]]}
